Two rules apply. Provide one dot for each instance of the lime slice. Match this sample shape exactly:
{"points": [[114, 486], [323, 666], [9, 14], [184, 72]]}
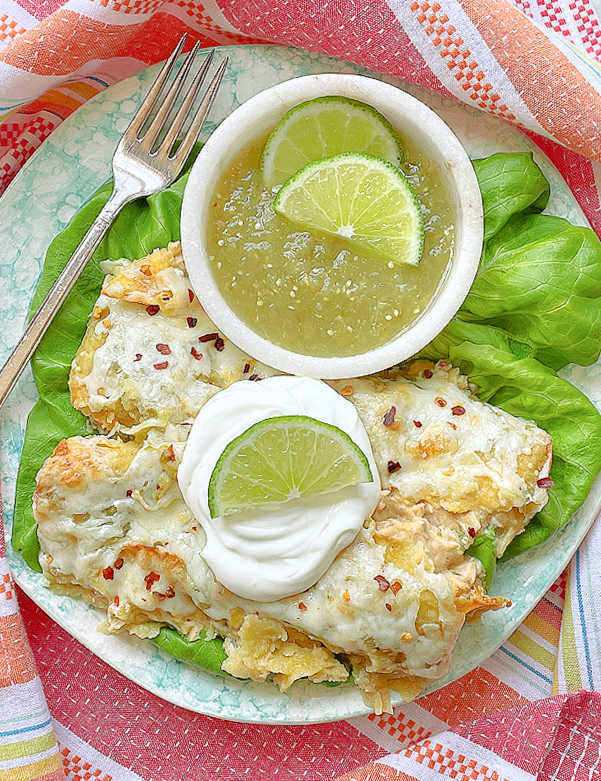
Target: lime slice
{"points": [[283, 458], [360, 198], [324, 127]]}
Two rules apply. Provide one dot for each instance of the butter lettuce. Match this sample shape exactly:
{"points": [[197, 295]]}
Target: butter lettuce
{"points": [[535, 306]]}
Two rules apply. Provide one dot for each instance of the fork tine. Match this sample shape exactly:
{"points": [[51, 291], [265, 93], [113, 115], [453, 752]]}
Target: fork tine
{"points": [[201, 114], [153, 93], [188, 102], [158, 122]]}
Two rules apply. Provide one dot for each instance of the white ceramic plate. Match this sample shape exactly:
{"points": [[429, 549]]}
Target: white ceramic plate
{"points": [[56, 182]]}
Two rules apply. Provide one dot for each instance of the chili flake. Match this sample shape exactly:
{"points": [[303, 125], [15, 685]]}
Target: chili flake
{"points": [[452, 425], [388, 607], [191, 321], [190, 295], [116, 600], [428, 373], [440, 401], [219, 344], [393, 466], [302, 606], [388, 418], [195, 354], [161, 365], [458, 410], [208, 337], [171, 453], [145, 269], [164, 349], [138, 357], [246, 368], [417, 423], [545, 482], [151, 578], [118, 563], [395, 587], [254, 378], [471, 531], [152, 309], [129, 492], [108, 573], [383, 584], [170, 593]]}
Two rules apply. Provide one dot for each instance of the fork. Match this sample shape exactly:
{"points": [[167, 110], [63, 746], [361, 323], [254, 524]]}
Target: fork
{"points": [[142, 165]]}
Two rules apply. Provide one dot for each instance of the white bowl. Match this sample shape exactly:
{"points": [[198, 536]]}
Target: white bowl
{"points": [[412, 119]]}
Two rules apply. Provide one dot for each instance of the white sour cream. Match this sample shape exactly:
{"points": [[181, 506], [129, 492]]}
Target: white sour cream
{"points": [[274, 552]]}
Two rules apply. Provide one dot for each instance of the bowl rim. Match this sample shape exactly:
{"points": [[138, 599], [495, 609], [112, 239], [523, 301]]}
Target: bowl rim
{"points": [[244, 123]]}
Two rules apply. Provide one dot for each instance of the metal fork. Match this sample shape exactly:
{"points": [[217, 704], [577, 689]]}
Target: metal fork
{"points": [[141, 166]]}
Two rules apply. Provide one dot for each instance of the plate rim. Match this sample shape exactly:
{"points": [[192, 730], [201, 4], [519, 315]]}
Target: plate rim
{"points": [[208, 706]]}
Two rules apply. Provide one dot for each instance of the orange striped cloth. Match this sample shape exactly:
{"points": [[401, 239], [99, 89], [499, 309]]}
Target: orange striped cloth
{"points": [[532, 711]]}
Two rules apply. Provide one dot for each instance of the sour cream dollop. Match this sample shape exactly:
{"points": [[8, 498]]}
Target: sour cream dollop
{"points": [[276, 551]]}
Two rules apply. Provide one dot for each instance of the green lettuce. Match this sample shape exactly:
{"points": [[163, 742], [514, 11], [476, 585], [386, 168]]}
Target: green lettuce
{"points": [[483, 549], [531, 310]]}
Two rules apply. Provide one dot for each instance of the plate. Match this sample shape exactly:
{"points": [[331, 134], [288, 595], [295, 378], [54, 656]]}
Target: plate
{"points": [[52, 186]]}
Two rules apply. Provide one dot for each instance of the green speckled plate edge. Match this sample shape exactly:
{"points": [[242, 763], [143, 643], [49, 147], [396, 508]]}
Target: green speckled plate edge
{"points": [[63, 174]]}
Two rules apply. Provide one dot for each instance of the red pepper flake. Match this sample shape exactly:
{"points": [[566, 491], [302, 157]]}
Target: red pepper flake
{"points": [[145, 269], [191, 321], [254, 378], [417, 423], [219, 344], [458, 410], [545, 482], [170, 593], [452, 425], [443, 364], [116, 601], [441, 402], [161, 365], [471, 531], [108, 573], [194, 528], [388, 607], [171, 453], [195, 354], [246, 368], [208, 337], [118, 563], [393, 466], [151, 578], [388, 418], [428, 373], [129, 492], [138, 357], [302, 606], [152, 309], [190, 295], [395, 587], [164, 349], [383, 584]]}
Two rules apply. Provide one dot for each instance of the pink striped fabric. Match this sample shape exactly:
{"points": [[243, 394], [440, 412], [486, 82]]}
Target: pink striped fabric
{"points": [[520, 716]]}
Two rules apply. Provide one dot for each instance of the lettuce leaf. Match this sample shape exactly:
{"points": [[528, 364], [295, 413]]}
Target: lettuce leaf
{"points": [[532, 309], [202, 652], [483, 549]]}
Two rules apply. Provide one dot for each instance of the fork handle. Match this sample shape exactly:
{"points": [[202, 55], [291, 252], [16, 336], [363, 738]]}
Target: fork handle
{"points": [[17, 360]]}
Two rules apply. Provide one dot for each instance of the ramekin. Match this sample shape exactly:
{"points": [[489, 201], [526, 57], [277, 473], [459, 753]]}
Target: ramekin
{"points": [[413, 119]]}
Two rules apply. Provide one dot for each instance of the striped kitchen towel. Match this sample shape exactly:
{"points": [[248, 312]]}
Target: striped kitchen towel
{"points": [[533, 710], [28, 747]]}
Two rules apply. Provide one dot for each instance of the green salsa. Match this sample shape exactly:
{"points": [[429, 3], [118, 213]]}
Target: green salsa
{"points": [[315, 294]]}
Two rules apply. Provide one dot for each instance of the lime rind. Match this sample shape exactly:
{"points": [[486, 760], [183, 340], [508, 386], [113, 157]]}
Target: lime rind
{"points": [[254, 469], [340, 208], [323, 127]]}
